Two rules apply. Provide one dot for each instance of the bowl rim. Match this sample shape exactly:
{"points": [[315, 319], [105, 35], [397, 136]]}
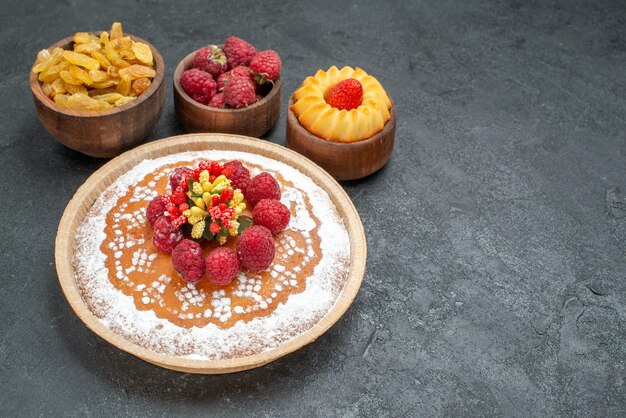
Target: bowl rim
{"points": [[277, 85], [383, 133], [87, 193], [159, 66]]}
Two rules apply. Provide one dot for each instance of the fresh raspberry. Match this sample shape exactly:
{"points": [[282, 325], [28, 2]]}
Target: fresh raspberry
{"points": [[240, 71], [157, 208], [262, 186], [271, 214], [199, 85], [222, 266], [165, 235], [217, 101], [222, 80], [255, 248], [347, 94], [180, 177], [238, 175], [188, 261], [239, 92], [210, 59], [266, 66], [238, 52]]}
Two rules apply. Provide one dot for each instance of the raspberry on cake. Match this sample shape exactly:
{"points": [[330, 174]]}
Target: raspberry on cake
{"points": [[271, 214], [188, 261], [255, 248], [238, 175], [262, 186], [157, 208], [222, 266], [166, 236], [180, 177]]}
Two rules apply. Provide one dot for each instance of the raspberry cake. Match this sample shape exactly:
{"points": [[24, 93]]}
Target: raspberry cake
{"points": [[135, 291]]}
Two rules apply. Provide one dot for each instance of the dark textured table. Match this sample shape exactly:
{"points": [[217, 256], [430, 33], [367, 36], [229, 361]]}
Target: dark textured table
{"points": [[496, 276]]}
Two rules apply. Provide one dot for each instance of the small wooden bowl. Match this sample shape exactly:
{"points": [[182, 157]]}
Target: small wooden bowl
{"points": [[253, 121], [103, 133], [343, 160]]}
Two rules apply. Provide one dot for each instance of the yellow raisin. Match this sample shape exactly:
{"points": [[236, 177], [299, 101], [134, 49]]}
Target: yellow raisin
{"points": [[127, 54], [126, 42], [113, 56], [72, 89], [81, 38], [109, 97], [62, 100], [116, 31], [69, 78], [42, 55], [104, 105], [113, 72], [143, 53], [47, 89], [99, 56], [52, 73], [124, 86], [58, 87], [88, 47], [81, 101], [105, 84], [81, 74], [53, 59], [98, 75], [104, 38], [81, 60], [101, 92], [140, 85], [136, 71], [124, 100]]}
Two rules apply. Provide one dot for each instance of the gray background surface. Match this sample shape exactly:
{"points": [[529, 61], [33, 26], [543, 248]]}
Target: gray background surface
{"points": [[496, 274]]}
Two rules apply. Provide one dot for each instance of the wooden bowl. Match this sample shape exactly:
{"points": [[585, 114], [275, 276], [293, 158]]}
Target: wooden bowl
{"points": [[101, 179], [343, 160], [253, 121], [103, 133]]}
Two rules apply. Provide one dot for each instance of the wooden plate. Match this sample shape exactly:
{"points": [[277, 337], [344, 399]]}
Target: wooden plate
{"points": [[101, 179]]}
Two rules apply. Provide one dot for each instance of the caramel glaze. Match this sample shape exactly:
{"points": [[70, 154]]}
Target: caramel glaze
{"points": [[152, 290]]}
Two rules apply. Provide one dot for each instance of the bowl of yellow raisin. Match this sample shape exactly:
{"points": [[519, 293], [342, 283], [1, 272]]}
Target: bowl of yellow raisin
{"points": [[99, 93]]}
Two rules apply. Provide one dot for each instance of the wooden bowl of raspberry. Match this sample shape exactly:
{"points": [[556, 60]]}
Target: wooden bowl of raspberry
{"points": [[230, 88], [109, 130]]}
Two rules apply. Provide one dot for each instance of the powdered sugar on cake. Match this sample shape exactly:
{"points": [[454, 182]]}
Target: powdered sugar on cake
{"points": [[301, 311]]}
